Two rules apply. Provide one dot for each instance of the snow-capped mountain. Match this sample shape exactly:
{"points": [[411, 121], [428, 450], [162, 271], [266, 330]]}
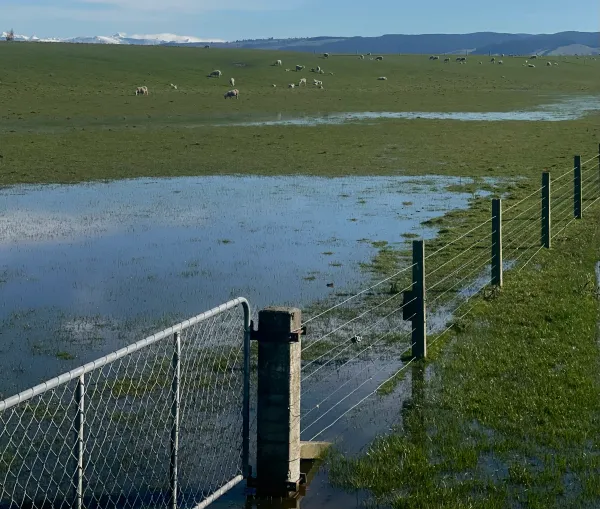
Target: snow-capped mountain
{"points": [[120, 38]]}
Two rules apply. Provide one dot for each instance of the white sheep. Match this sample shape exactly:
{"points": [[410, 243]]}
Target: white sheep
{"points": [[232, 82], [274, 86], [379, 58], [291, 85], [530, 65], [326, 55], [232, 93], [141, 91], [500, 62], [215, 74], [278, 63], [549, 64], [382, 78], [299, 67], [302, 82], [174, 87]]}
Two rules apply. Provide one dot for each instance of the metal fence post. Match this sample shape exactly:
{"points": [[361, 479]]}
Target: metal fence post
{"points": [[497, 242], [419, 321], [546, 211], [173, 476], [79, 442], [246, 469], [577, 188], [278, 408]]}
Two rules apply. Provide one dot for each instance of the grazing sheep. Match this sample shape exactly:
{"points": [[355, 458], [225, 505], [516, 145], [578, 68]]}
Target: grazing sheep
{"points": [[555, 63], [141, 91], [318, 83], [206, 47], [174, 87], [549, 64], [318, 68], [326, 55], [232, 93], [447, 60], [299, 68], [434, 57], [369, 54], [274, 86], [291, 85], [382, 78], [278, 63], [215, 74], [379, 58], [530, 65], [493, 60], [500, 62], [302, 82], [461, 59], [533, 57], [331, 74], [480, 62], [287, 70], [361, 57], [232, 82]]}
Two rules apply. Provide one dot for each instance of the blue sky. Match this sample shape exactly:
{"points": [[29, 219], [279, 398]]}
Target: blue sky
{"points": [[242, 19]]}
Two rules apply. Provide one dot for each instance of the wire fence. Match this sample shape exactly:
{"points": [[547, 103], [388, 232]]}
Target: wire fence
{"points": [[160, 423], [357, 346]]}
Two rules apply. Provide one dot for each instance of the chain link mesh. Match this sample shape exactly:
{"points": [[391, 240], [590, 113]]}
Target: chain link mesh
{"points": [[128, 414]]}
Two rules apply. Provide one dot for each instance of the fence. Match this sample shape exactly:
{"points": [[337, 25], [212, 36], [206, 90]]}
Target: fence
{"points": [[166, 420], [163, 422]]}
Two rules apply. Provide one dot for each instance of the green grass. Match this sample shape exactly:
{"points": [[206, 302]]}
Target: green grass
{"points": [[68, 114], [510, 417]]}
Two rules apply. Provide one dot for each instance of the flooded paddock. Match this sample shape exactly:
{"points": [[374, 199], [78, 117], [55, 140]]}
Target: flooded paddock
{"points": [[88, 268], [567, 108]]}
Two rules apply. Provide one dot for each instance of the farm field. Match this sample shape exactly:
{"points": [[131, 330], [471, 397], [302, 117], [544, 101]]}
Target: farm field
{"points": [[68, 115]]}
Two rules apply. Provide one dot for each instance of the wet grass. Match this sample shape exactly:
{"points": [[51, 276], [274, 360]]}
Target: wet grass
{"points": [[65, 120], [511, 414]]}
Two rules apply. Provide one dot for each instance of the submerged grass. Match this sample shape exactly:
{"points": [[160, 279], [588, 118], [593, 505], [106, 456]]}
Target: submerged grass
{"points": [[510, 417]]}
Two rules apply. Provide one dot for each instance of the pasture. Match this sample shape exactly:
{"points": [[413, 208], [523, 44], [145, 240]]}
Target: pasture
{"points": [[69, 113]]}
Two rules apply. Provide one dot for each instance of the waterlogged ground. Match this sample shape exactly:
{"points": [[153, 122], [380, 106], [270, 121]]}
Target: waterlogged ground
{"points": [[89, 268], [566, 108]]}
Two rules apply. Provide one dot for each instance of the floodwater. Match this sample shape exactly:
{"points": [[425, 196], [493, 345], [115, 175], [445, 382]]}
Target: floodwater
{"points": [[88, 268], [567, 108]]}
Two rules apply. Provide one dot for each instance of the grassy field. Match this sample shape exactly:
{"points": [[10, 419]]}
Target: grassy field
{"points": [[510, 415], [68, 114]]}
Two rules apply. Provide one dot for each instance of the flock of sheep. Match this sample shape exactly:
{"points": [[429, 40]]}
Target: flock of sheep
{"points": [[143, 90], [493, 60]]}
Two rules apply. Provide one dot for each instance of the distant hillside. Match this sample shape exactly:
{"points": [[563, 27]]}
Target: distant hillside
{"points": [[478, 43]]}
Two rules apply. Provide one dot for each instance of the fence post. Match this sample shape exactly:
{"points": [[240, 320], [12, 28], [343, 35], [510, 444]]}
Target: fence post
{"points": [[546, 217], [175, 418], [278, 407], [577, 188], [79, 441], [419, 320], [497, 242]]}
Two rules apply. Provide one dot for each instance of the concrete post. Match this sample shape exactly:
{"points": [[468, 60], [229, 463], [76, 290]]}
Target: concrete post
{"points": [[577, 188], [419, 324], [497, 242], [546, 211], [278, 411]]}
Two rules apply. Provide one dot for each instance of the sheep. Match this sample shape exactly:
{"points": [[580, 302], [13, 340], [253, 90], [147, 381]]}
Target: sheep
{"points": [[434, 57], [141, 91], [274, 86], [379, 58], [232, 82], [318, 83], [302, 82], [530, 65], [174, 87], [500, 62], [232, 93], [215, 74], [361, 57], [533, 57], [493, 60], [287, 70], [447, 60], [382, 78], [331, 74], [549, 64], [325, 55], [206, 47], [291, 85], [555, 63], [480, 62], [299, 68], [278, 63], [369, 54]]}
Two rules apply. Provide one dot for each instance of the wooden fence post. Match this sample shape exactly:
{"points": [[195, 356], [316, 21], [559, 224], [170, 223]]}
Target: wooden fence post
{"points": [[278, 407], [546, 217], [577, 188], [497, 242]]}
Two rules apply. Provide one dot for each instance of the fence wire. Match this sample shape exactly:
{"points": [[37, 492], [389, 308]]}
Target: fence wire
{"points": [[129, 430]]}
